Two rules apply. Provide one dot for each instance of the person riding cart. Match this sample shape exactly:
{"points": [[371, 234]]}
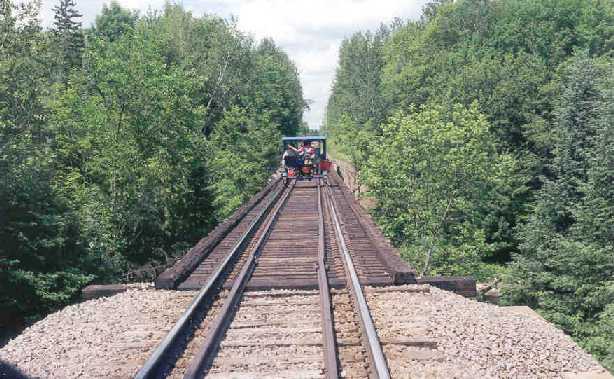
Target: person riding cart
{"points": [[292, 157], [306, 161]]}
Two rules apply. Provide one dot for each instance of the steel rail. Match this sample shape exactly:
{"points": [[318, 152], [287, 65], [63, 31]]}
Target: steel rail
{"points": [[218, 328], [376, 353], [328, 333], [160, 361]]}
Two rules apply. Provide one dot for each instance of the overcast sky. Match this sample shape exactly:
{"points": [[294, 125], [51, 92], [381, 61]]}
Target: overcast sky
{"points": [[310, 31]]}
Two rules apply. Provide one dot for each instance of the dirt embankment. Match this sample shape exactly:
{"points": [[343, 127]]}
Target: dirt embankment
{"points": [[348, 173]]}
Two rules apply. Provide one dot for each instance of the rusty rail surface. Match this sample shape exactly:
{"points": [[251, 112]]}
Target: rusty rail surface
{"points": [[278, 250], [199, 365], [328, 329], [216, 333], [377, 359], [203, 360], [163, 357], [402, 273], [174, 275]]}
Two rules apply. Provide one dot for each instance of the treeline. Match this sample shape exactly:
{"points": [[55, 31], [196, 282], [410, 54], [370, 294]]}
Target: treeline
{"points": [[124, 143], [485, 131]]}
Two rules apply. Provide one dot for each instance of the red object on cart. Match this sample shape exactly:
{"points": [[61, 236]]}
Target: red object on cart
{"points": [[325, 165]]}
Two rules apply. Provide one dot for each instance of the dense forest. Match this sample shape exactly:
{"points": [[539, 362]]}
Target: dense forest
{"points": [[123, 143], [485, 133]]}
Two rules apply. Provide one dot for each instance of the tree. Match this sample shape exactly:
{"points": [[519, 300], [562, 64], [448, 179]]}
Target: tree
{"points": [[241, 156], [466, 51], [132, 154], [276, 88], [68, 37], [114, 21], [357, 86], [565, 266], [40, 246], [431, 174], [595, 227], [430, 9], [108, 170]]}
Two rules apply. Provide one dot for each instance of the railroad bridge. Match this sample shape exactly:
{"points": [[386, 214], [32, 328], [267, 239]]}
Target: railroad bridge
{"points": [[290, 252], [309, 236], [298, 283]]}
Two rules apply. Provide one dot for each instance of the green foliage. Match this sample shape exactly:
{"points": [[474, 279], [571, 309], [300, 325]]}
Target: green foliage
{"points": [[356, 90], [538, 73], [279, 91], [241, 157], [566, 266], [68, 38], [103, 160], [114, 21], [356, 107], [431, 172], [467, 51], [39, 233], [128, 135]]}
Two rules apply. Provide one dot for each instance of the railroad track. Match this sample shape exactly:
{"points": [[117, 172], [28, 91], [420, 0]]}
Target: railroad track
{"points": [[301, 237]]}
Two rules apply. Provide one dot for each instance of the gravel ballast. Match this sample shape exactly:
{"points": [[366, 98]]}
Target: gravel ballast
{"points": [[112, 337], [474, 339], [103, 338]]}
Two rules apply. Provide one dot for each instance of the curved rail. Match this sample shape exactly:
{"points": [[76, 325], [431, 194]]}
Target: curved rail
{"points": [[166, 352], [376, 353], [205, 355]]}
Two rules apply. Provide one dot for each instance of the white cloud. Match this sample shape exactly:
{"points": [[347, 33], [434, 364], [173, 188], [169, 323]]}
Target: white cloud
{"points": [[310, 31]]}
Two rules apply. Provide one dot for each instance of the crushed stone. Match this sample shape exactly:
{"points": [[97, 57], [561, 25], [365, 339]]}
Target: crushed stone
{"points": [[102, 338], [112, 337]]}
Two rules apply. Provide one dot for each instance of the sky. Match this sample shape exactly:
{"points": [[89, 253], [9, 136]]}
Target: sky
{"points": [[310, 31]]}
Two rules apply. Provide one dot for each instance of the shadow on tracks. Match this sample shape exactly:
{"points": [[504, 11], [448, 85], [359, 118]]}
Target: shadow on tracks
{"points": [[9, 371]]}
